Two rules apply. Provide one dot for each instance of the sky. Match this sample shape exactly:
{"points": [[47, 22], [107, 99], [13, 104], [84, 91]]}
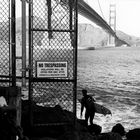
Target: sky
{"points": [[127, 14]]}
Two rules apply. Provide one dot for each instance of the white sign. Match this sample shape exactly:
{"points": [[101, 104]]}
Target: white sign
{"points": [[51, 69]]}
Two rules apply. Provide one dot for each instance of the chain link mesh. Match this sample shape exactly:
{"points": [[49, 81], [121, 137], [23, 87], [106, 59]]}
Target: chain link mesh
{"points": [[53, 34], [53, 93], [4, 39]]}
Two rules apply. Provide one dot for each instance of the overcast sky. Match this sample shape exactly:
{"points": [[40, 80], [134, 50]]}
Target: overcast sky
{"points": [[127, 14]]}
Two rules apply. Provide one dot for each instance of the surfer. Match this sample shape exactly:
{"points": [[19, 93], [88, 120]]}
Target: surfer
{"points": [[88, 102]]}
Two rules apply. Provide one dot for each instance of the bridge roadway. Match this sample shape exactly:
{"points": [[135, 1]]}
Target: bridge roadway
{"points": [[85, 10]]}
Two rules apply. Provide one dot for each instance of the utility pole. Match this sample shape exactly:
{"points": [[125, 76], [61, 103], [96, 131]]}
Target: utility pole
{"points": [[112, 23]]}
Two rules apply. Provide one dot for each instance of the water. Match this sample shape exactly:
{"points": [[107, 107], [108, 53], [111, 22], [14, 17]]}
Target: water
{"points": [[112, 76]]}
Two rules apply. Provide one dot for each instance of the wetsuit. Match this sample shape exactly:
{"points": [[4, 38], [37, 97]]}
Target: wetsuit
{"points": [[88, 102]]}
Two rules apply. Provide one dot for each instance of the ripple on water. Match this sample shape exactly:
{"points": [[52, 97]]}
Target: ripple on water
{"points": [[113, 75]]}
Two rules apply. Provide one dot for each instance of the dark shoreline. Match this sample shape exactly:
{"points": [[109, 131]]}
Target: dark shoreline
{"points": [[68, 132]]}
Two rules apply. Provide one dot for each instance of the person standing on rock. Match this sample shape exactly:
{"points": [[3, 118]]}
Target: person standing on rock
{"points": [[87, 102]]}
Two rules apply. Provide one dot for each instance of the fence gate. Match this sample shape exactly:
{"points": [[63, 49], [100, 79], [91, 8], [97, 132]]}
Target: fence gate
{"points": [[7, 43], [52, 54]]}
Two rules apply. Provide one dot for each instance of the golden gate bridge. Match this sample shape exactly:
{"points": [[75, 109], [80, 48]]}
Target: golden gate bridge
{"points": [[88, 12]]}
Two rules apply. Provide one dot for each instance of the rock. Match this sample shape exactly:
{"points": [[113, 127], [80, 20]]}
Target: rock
{"points": [[133, 134], [75, 135], [47, 138], [118, 128], [82, 122], [81, 125], [44, 138], [44, 115], [51, 115], [94, 129], [110, 136]]}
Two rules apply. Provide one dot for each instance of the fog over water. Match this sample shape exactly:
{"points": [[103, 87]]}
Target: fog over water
{"points": [[112, 76]]}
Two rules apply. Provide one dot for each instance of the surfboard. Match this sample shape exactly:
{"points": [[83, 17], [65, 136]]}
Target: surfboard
{"points": [[100, 108]]}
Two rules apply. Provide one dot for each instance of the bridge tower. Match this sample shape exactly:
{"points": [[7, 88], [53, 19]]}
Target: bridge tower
{"points": [[112, 23]]}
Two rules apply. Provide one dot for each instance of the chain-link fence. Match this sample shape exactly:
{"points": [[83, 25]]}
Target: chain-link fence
{"points": [[4, 41], [53, 38]]}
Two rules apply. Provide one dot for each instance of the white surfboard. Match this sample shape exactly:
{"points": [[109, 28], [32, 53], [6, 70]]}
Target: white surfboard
{"points": [[100, 108]]}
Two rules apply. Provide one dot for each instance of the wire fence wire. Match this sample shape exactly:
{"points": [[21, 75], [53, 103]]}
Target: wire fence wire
{"points": [[4, 40], [53, 33]]}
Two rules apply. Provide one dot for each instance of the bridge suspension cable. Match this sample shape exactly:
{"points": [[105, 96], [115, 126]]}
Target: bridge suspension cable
{"points": [[101, 10]]}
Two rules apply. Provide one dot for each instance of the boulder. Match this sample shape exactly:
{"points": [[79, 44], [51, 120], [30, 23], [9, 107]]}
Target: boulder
{"points": [[110, 136], [60, 123], [118, 128], [75, 135], [133, 134], [44, 138], [94, 129]]}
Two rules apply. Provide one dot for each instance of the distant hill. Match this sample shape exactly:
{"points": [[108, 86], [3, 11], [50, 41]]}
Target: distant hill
{"points": [[88, 36], [132, 40], [93, 37]]}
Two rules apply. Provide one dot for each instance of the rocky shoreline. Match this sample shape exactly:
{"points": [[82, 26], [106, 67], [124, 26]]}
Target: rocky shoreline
{"points": [[68, 132]]}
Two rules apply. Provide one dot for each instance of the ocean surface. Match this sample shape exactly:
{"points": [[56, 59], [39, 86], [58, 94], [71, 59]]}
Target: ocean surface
{"points": [[112, 77]]}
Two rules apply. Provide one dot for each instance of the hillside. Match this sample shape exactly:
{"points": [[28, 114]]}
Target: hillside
{"points": [[132, 40], [88, 35]]}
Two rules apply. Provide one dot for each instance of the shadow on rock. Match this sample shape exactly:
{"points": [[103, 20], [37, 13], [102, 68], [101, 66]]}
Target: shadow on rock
{"points": [[94, 129], [61, 123], [110, 136], [118, 128], [133, 134]]}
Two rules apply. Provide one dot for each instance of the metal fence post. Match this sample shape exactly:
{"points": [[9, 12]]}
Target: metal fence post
{"points": [[23, 44], [13, 41]]}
